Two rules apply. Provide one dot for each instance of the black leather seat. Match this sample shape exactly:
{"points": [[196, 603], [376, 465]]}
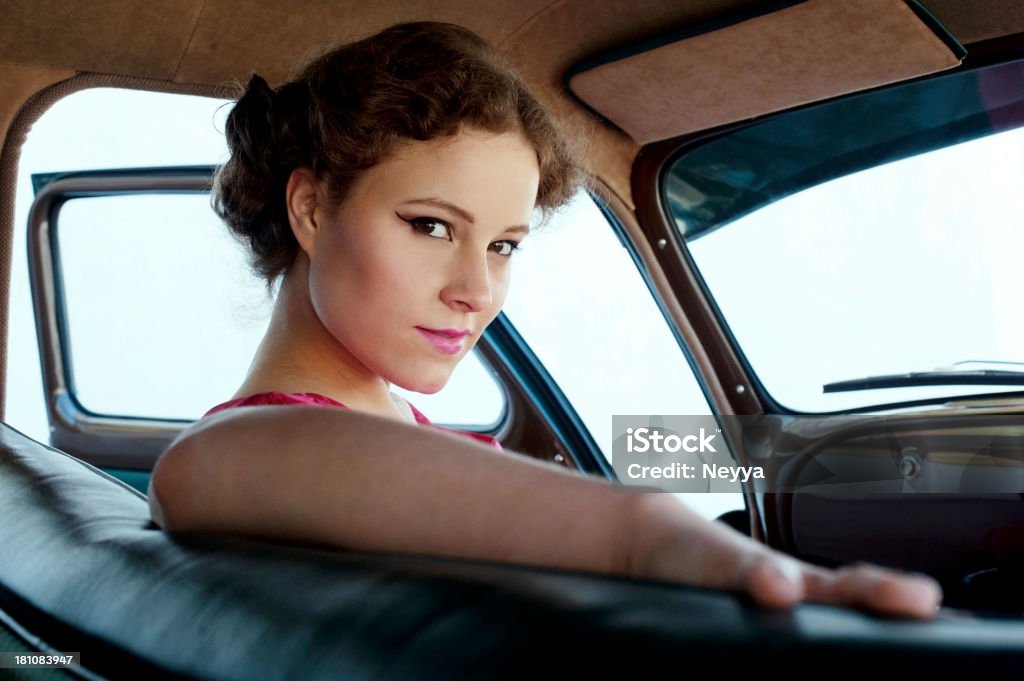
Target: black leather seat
{"points": [[82, 568]]}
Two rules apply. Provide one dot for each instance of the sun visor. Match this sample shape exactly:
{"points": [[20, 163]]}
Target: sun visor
{"points": [[736, 69]]}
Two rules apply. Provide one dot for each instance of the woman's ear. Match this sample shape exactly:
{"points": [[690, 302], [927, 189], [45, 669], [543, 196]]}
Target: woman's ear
{"points": [[302, 197]]}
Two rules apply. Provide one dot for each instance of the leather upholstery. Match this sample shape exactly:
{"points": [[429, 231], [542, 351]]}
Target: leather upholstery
{"points": [[82, 568]]}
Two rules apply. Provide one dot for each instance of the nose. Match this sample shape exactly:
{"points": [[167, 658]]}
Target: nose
{"points": [[470, 286]]}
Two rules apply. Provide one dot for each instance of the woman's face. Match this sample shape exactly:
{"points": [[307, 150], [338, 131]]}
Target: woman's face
{"points": [[410, 269]]}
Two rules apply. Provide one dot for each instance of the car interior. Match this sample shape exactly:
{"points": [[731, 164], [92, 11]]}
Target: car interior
{"points": [[816, 201]]}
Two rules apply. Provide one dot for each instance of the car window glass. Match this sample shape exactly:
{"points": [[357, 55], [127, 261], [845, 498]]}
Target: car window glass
{"points": [[871, 237], [578, 299]]}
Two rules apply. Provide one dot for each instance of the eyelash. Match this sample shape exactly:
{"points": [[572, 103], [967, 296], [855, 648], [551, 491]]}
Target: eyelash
{"points": [[513, 247], [424, 226]]}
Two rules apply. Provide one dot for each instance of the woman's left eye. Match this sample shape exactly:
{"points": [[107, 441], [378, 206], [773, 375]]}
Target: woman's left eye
{"points": [[505, 248], [439, 229]]}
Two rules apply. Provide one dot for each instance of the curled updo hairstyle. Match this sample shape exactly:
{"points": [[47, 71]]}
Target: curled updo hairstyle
{"points": [[348, 109]]}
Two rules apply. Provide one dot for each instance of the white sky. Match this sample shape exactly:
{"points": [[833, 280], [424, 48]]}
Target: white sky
{"points": [[910, 266]]}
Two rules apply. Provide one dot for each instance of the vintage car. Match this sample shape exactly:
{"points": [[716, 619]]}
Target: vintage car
{"points": [[796, 207]]}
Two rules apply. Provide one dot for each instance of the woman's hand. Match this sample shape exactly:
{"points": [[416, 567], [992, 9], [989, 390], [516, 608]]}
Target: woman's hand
{"points": [[675, 544]]}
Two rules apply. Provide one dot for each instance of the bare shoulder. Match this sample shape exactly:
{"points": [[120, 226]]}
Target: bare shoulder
{"points": [[200, 454]]}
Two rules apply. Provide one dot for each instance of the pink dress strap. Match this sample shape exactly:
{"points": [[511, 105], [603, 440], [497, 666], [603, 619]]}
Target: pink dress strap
{"points": [[316, 399]]}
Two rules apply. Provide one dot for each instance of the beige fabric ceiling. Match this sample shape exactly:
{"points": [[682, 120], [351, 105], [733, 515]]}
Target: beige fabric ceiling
{"points": [[217, 41], [771, 72]]}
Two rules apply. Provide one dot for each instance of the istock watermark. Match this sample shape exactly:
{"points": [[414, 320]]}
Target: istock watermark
{"points": [[676, 454]]}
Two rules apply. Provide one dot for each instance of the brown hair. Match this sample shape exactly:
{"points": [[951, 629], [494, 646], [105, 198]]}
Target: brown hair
{"points": [[351, 107]]}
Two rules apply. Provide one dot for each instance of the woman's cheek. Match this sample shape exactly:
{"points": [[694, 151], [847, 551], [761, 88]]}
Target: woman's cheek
{"points": [[392, 274]]}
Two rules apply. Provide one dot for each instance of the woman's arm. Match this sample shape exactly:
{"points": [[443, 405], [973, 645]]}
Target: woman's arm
{"points": [[353, 480], [349, 479]]}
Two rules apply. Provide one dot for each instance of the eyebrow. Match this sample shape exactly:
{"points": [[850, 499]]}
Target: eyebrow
{"points": [[463, 213]]}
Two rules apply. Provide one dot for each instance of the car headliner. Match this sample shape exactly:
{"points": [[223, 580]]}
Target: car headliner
{"points": [[203, 46]]}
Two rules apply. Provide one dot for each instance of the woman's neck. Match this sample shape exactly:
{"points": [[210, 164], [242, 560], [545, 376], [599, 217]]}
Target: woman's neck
{"points": [[297, 354]]}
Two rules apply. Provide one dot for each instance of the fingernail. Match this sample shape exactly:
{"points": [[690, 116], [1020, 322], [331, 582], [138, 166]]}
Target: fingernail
{"points": [[925, 581]]}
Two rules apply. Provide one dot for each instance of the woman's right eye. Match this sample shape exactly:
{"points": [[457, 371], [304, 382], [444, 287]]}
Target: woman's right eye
{"points": [[433, 227]]}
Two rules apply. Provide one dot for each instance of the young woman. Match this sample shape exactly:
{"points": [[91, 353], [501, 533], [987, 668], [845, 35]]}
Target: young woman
{"points": [[387, 187]]}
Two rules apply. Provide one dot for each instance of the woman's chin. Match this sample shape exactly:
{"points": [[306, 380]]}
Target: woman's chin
{"points": [[427, 386]]}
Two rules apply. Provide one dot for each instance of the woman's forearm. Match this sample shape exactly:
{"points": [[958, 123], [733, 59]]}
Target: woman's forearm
{"points": [[353, 480]]}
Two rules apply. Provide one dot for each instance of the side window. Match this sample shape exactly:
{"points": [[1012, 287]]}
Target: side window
{"points": [[578, 299], [162, 317]]}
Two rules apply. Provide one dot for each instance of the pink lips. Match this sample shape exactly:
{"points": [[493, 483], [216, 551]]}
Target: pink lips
{"points": [[447, 341]]}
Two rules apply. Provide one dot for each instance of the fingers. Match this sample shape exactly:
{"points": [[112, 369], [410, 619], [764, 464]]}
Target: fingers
{"points": [[777, 581], [714, 556], [876, 589]]}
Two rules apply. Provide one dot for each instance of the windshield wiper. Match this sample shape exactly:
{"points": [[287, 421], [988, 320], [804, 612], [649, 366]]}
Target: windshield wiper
{"points": [[923, 378]]}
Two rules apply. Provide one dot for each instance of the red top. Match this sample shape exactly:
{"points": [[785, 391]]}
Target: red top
{"points": [[315, 399]]}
